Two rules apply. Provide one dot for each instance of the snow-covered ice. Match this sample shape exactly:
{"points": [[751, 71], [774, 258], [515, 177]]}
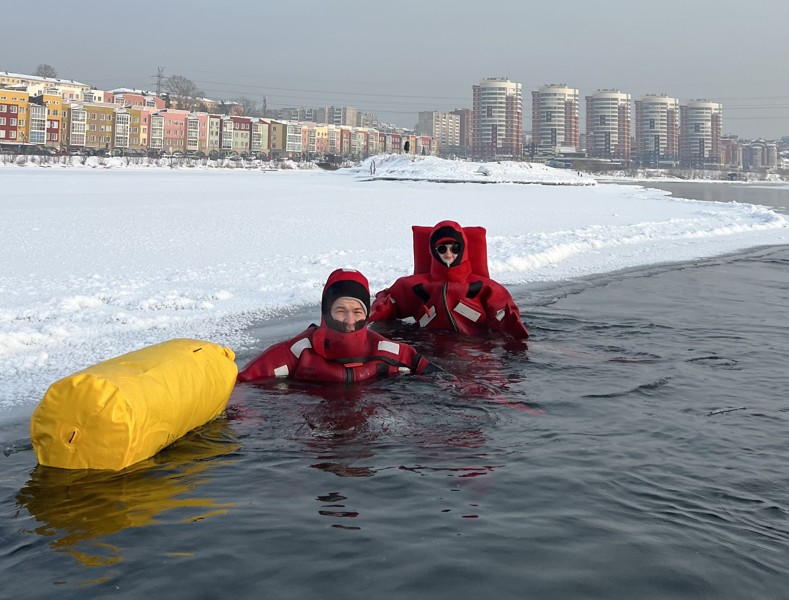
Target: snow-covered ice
{"points": [[104, 258]]}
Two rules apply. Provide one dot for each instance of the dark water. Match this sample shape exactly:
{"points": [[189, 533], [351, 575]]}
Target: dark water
{"points": [[635, 449]]}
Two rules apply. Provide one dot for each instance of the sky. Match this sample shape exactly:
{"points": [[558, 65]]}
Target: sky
{"points": [[106, 257], [399, 58]]}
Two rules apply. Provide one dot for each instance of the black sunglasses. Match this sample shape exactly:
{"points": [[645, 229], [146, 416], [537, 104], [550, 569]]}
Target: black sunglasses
{"points": [[442, 248]]}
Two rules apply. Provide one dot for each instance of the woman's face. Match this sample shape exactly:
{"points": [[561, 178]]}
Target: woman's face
{"points": [[448, 252]]}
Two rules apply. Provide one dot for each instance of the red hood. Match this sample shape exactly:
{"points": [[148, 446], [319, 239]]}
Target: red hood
{"points": [[327, 340], [461, 268]]}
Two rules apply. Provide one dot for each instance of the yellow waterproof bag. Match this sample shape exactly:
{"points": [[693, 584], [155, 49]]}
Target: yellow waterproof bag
{"points": [[124, 410]]}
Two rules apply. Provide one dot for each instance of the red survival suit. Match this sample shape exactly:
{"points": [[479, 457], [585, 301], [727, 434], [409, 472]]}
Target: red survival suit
{"points": [[326, 353], [459, 297]]}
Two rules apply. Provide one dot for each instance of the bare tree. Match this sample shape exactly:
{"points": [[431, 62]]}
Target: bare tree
{"points": [[183, 91], [247, 106], [44, 70]]}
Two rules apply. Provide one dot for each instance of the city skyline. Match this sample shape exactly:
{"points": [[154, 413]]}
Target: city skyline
{"points": [[410, 57]]}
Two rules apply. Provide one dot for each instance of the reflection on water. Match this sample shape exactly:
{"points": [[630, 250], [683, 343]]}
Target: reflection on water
{"points": [[425, 427], [77, 508]]}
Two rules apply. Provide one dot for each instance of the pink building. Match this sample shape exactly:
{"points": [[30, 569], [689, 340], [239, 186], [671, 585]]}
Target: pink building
{"points": [[197, 132], [174, 129]]}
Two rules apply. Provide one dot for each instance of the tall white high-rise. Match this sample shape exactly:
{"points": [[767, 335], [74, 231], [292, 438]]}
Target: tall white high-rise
{"points": [[555, 120], [497, 114], [657, 129], [608, 125], [700, 133]]}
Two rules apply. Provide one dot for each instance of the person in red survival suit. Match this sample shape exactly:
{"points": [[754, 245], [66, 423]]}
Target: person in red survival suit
{"points": [[450, 288], [341, 348]]}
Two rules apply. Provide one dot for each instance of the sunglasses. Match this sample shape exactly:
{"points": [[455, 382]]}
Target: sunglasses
{"points": [[453, 248]]}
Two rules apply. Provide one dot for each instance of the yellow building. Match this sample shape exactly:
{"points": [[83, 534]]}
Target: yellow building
{"points": [[279, 132], [140, 122], [67, 89], [89, 125], [99, 126]]}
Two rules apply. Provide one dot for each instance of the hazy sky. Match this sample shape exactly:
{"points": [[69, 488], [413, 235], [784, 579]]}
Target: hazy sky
{"points": [[398, 58]]}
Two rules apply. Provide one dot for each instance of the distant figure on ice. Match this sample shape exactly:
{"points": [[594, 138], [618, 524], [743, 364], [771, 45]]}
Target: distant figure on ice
{"points": [[450, 288], [407, 147], [341, 348]]}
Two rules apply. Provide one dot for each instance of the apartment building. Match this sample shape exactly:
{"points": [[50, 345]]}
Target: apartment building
{"points": [[136, 99], [555, 118], [701, 128], [608, 125], [497, 114], [14, 116], [444, 128], [259, 142], [731, 153], [367, 119], [466, 119], [759, 155], [132, 119], [657, 129], [338, 115], [69, 90], [46, 119], [286, 139], [91, 125]]}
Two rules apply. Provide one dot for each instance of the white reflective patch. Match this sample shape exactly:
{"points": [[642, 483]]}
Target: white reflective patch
{"points": [[468, 312], [431, 313], [387, 346], [403, 370], [300, 346], [281, 371], [500, 315]]}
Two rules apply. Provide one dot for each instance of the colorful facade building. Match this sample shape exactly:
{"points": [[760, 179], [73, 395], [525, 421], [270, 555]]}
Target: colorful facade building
{"points": [[46, 119], [69, 90], [77, 115], [14, 116]]}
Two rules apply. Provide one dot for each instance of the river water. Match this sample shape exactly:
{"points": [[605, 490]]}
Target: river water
{"points": [[634, 448]]}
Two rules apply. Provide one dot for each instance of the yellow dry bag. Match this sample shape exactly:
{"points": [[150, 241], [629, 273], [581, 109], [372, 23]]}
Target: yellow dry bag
{"points": [[124, 410]]}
